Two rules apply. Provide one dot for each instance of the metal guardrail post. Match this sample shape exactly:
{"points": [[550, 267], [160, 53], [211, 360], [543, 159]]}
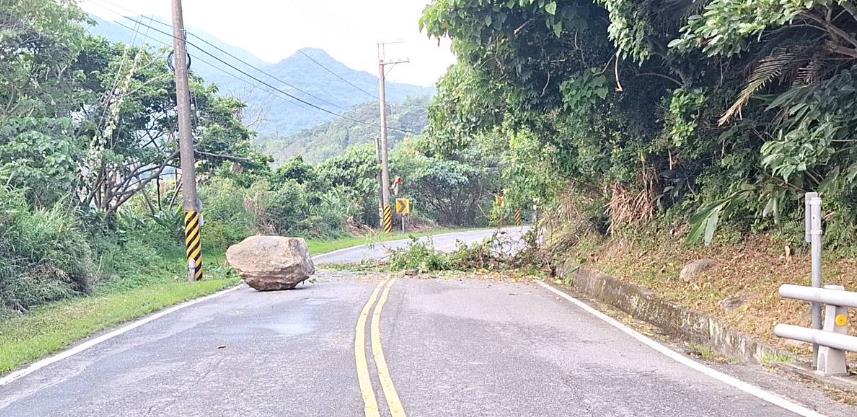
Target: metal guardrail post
{"points": [[813, 236]]}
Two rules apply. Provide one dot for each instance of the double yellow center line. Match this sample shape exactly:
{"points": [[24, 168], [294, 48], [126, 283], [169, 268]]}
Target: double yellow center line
{"points": [[370, 403]]}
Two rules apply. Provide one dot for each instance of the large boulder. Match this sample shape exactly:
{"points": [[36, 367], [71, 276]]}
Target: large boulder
{"points": [[269, 263]]}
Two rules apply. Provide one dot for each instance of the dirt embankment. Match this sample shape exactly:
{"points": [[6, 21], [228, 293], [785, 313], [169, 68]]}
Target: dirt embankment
{"points": [[741, 289]]}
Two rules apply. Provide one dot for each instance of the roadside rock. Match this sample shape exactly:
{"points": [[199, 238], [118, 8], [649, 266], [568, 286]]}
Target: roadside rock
{"points": [[732, 303], [691, 271], [269, 263]]}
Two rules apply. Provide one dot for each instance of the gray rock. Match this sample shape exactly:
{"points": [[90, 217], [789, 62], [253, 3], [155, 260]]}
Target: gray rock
{"points": [[732, 303], [269, 263], [691, 271]]}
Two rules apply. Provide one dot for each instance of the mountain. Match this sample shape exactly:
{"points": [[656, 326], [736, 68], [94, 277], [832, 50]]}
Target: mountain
{"points": [[307, 75], [332, 138]]}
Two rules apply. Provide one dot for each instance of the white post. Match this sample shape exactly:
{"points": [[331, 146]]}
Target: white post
{"points": [[832, 361], [814, 234]]}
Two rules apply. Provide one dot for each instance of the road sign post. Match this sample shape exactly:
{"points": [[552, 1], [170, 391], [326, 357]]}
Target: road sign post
{"points": [[403, 209]]}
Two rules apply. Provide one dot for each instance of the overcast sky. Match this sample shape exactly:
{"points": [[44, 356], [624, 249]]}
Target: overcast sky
{"points": [[274, 29]]}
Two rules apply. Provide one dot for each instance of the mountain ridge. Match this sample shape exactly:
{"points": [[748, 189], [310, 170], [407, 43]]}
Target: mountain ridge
{"points": [[302, 75]]}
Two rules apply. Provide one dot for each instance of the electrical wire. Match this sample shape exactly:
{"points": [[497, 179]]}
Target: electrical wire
{"points": [[248, 75], [301, 51], [230, 55], [261, 71]]}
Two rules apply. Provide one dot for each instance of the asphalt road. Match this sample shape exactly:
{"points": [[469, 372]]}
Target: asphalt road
{"points": [[446, 242], [430, 347]]}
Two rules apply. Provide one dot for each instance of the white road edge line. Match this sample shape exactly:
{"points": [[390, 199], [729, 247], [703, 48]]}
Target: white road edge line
{"points": [[74, 350], [720, 376], [105, 337]]}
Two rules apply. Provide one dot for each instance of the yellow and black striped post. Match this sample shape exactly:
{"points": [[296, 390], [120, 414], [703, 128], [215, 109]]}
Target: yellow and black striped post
{"points": [[388, 219], [518, 220], [193, 242]]}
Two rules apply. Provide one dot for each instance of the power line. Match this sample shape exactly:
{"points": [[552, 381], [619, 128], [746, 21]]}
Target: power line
{"points": [[138, 22], [200, 59], [227, 53], [301, 51], [251, 76], [261, 71], [245, 73]]}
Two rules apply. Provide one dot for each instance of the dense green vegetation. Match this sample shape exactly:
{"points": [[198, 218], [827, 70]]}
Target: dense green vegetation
{"points": [[87, 145], [89, 202], [358, 127], [699, 112]]}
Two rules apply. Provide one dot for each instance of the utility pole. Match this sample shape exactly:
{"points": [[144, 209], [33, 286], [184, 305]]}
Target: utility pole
{"points": [[383, 146], [188, 166]]}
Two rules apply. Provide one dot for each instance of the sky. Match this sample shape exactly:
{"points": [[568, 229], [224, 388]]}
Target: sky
{"points": [[348, 30]]}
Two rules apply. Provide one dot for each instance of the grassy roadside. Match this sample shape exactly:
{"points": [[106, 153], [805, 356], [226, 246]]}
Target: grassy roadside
{"points": [[51, 327], [741, 290], [54, 326]]}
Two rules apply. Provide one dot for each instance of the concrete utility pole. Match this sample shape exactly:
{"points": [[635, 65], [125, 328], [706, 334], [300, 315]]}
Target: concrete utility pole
{"points": [[188, 165], [383, 146]]}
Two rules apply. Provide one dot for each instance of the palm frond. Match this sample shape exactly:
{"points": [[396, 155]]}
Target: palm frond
{"points": [[768, 69], [810, 73]]}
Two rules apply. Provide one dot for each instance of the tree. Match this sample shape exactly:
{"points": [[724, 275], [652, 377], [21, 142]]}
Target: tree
{"points": [[132, 129], [654, 105], [454, 189]]}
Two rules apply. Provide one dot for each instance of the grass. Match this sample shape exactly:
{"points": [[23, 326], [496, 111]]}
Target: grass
{"points": [[157, 285], [751, 270], [775, 358], [54, 326], [705, 353]]}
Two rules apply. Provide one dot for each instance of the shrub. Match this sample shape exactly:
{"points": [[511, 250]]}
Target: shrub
{"points": [[43, 254], [293, 210], [227, 217], [419, 256]]}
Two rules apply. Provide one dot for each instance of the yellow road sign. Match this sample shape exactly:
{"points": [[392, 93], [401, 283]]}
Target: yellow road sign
{"points": [[403, 206]]}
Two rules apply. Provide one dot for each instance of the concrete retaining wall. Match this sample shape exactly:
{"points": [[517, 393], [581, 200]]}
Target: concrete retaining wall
{"points": [[644, 305]]}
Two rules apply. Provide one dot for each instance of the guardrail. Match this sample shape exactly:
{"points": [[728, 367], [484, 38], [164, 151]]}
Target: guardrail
{"points": [[829, 337], [832, 340]]}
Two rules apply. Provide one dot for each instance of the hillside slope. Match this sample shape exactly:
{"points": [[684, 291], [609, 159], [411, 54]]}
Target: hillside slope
{"points": [[331, 138]]}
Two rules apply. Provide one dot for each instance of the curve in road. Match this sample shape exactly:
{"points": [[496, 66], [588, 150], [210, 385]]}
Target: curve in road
{"points": [[465, 347]]}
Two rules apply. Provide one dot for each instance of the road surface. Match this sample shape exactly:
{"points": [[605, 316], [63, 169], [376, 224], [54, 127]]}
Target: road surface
{"points": [[354, 345], [446, 242]]}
